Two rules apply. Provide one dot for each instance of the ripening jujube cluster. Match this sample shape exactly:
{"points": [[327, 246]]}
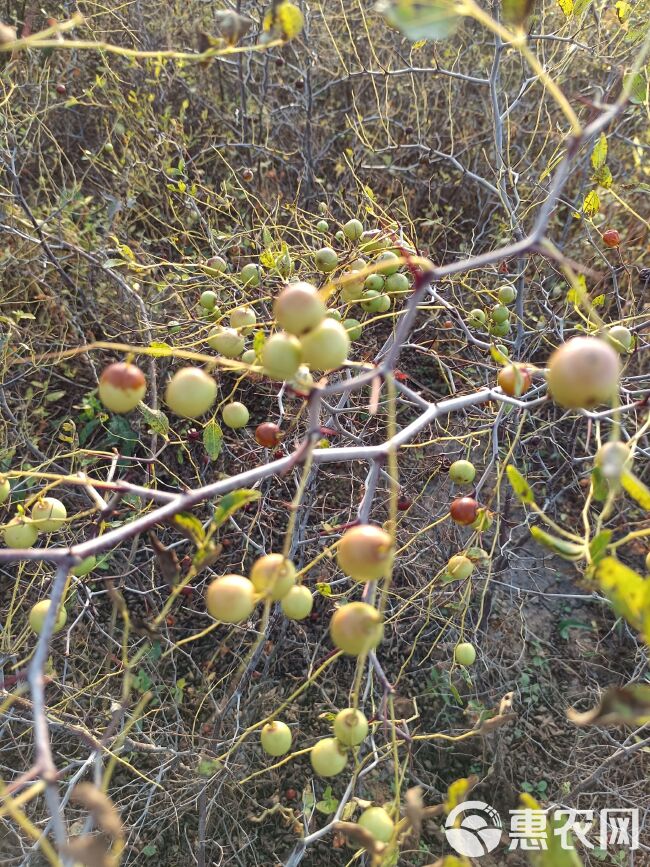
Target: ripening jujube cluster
{"points": [[302, 338]]}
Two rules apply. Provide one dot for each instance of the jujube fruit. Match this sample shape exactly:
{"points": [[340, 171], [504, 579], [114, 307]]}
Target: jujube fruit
{"points": [[353, 327], [273, 575], [326, 347], [350, 726], [514, 380], [374, 282], [298, 603], [268, 434], [389, 263], [583, 373], [462, 472], [250, 275], [39, 612], [328, 758], [230, 598], [465, 654], [459, 567], [85, 567], [620, 338], [299, 308], [243, 319], [356, 628], [20, 533], [612, 458], [121, 387], [353, 230], [397, 283], [507, 294], [611, 238], [48, 514], [227, 342], [235, 415], [326, 260], [377, 822], [365, 553], [190, 392], [276, 738], [464, 510], [5, 489], [208, 299], [281, 355]]}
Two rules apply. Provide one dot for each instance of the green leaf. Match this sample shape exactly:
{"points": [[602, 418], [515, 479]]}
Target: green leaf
{"points": [[113, 263], [190, 526], [598, 301], [598, 545], [565, 549], [328, 804], [599, 153], [517, 11], [637, 87], [209, 767], [230, 504], [421, 19], [603, 177], [519, 485], [498, 356], [591, 204], [213, 439], [323, 588], [554, 852], [156, 419], [599, 485]]}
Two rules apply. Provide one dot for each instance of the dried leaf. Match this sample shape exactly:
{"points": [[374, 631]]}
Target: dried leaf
{"points": [[166, 560], [627, 705], [101, 808]]}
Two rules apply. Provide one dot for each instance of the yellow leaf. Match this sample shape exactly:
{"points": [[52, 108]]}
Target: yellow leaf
{"points": [[458, 791], [286, 21], [566, 6], [636, 489], [628, 592], [591, 204]]}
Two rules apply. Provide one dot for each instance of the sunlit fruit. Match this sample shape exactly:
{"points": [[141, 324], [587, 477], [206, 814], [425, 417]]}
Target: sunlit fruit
{"points": [[462, 472], [227, 342], [507, 294], [326, 259], [230, 598], [358, 264], [378, 823], [328, 758], [190, 392], [235, 415], [334, 314], [298, 602], [273, 575], [5, 489], [276, 738], [514, 380], [302, 380], [85, 567], [464, 653], [500, 313], [374, 282], [121, 387], [20, 533], [583, 373], [353, 230], [251, 275], [398, 282], [353, 327], [374, 302], [373, 240], [243, 319], [459, 567], [389, 263], [281, 356], [322, 226], [299, 308], [350, 726], [476, 318], [208, 299], [356, 628], [250, 356], [464, 510], [620, 338], [218, 264], [48, 514], [612, 458], [340, 237], [352, 290], [39, 612], [268, 434], [326, 347], [365, 552], [611, 238]]}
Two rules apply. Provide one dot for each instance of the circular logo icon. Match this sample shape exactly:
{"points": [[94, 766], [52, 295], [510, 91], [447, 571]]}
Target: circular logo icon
{"points": [[478, 832]]}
